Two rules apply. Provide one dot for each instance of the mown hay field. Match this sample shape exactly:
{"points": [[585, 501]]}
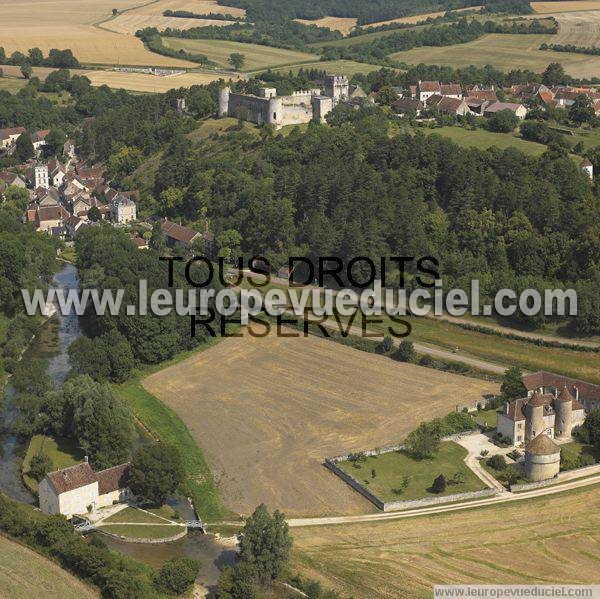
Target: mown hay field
{"points": [[257, 56], [151, 15], [566, 6], [578, 28], [138, 82], [504, 52], [76, 25], [539, 541], [342, 24], [25, 574], [418, 18], [266, 412]]}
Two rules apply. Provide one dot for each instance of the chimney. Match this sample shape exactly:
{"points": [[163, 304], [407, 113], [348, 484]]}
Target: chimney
{"points": [[577, 393]]}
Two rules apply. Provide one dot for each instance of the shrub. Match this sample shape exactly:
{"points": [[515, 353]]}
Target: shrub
{"points": [[177, 575], [497, 462], [405, 352], [439, 484], [39, 466]]}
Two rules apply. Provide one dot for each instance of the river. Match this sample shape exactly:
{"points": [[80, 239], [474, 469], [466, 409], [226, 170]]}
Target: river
{"points": [[51, 343]]}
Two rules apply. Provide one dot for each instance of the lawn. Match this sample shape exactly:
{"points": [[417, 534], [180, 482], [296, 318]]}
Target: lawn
{"points": [[482, 139], [487, 417], [257, 56], [404, 559], [62, 451], [504, 52], [133, 515], [142, 532], [25, 574], [590, 138], [391, 468]]}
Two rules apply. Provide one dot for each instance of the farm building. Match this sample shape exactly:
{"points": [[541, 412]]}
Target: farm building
{"points": [[80, 490]]}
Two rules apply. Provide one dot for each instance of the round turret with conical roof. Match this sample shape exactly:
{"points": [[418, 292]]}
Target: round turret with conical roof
{"points": [[563, 406], [542, 458], [534, 416]]}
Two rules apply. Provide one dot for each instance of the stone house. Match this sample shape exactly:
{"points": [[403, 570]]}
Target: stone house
{"points": [[12, 179], [178, 235], [8, 137], [403, 106], [38, 139], [122, 209], [518, 109], [448, 105], [51, 219], [80, 490]]}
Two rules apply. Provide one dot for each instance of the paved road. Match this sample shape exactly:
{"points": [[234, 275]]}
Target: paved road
{"points": [[441, 509]]}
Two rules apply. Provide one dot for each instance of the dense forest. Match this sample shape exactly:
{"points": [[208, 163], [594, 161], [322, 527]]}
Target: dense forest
{"points": [[499, 216], [365, 12]]}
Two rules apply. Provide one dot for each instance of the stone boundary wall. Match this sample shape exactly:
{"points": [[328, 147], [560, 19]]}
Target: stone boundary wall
{"points": [[535, 485], [405, 504], [580, 473], [145, 541]]}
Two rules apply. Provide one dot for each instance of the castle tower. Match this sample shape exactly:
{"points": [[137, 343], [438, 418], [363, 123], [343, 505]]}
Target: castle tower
{"points": [[224, 101], [275, 114], [542, 458], [534, 417], [587, 168], [41, 176], [563, 406], [337, 87]]}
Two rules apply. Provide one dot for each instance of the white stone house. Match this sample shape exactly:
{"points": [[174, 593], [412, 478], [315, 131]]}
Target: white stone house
{"points": [[122, 209], [80, 490]]}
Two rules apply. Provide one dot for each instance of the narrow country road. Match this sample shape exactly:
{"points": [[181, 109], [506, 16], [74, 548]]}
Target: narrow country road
{"points": [[441, 509]]}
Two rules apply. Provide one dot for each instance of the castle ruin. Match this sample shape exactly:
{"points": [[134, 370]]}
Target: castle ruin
{"points": [[300, 107]]}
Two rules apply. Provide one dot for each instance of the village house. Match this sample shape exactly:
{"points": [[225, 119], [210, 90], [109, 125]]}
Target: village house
{"points": [[448, 105], [41, 176], [51, 219], [517, 109], [587, 168], [80, 490], [178, 235], [8, 137], [38, 139], [122, 209], [403, 106], [56, 172], [73, 224], [12, 179]]}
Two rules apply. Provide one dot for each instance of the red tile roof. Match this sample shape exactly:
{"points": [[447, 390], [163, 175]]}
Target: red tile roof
{"points": [[71, 478], [112, 479], [429, 86], [178, 232]]}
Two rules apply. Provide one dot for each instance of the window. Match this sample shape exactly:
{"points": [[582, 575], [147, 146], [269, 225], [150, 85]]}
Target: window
{"points": [[274, 116]]}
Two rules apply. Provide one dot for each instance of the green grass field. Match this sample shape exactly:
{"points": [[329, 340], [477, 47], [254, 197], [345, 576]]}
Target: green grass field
{"points": [[133, 515], [391, 468], [25, 574], [365, 38], [487, 417], [578, 449], [10, 84], [482, 139], [504, 52], [590, 138], [63, 453], [342, 67], [257, 56]]}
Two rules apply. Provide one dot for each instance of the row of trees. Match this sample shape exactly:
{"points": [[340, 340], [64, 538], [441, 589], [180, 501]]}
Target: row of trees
{"points": [[35, 58]]}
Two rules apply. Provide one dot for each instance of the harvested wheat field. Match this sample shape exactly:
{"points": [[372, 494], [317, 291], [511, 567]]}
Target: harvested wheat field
{"points": [[578, 28], [139, 82], [537, 541], [25, 574], [78, 25], [267, 411], [149, 83], [412, 20], [565, 6], [151, 15], [342, 24]]}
